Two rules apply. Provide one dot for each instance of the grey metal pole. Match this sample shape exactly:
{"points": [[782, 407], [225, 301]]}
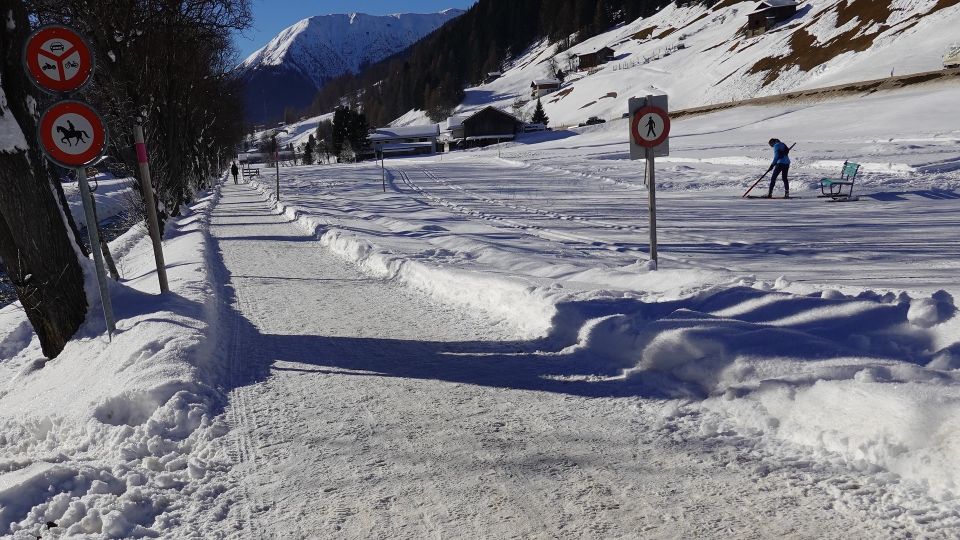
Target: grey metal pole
{"points": [[383, 171], [652, 205], [153, 225], [276, 162], [94, 236]]}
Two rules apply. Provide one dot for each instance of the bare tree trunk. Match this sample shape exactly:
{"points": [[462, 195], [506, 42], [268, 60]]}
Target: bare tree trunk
{"points": [[42, 262]]}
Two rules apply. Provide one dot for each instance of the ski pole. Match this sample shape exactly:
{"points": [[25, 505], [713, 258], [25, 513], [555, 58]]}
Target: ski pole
{"points": [[754, 185]]}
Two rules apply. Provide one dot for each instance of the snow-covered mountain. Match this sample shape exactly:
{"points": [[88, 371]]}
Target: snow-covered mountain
{"points": [[702, 55], [288, 71]]}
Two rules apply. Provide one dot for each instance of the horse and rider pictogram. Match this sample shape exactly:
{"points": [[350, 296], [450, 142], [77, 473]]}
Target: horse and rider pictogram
{"points": [[72, 134]]}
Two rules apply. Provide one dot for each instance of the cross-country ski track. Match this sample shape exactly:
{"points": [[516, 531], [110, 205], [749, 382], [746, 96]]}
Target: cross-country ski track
{"points": [[363, 409]]}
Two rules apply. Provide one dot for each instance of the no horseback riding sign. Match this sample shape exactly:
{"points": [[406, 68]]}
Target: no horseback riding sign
{"points": [[58, 59], [72, 134]]}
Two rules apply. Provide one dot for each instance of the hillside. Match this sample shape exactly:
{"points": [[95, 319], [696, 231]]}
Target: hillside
{"points": [[700, 55], [288, 71]]}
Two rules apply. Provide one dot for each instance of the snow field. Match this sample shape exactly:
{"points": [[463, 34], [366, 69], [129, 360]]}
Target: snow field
{"points": [[113, 439], [746, 354], [747, 341]]}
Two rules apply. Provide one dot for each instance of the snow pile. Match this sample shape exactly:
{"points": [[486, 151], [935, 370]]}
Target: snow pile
{"points": [[108, 438], [852, 376]]}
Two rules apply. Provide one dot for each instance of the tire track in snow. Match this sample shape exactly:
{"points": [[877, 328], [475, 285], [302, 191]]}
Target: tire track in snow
{"points": [[549, 234], [239, 421]]}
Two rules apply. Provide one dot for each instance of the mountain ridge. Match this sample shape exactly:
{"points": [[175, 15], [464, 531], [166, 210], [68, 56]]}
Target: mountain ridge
{"points": [[291, 67]]}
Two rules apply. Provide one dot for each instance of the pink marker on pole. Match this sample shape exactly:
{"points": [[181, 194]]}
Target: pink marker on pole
{"points": [[141, 153], [146, 188]]}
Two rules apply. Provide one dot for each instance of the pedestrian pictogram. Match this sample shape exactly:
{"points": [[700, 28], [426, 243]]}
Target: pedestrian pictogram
{"points": [[72, 134], [58, 59], [650, 127], [649, 139]]}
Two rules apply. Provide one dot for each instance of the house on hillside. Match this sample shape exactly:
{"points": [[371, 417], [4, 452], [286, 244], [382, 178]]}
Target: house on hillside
{"points": [[405, 141], [594, 59], [486, 126], [492, 76], [769, 13], [542, 87]]}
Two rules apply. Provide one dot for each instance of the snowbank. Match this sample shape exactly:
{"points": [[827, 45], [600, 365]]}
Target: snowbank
{"points": [[107, 438]]}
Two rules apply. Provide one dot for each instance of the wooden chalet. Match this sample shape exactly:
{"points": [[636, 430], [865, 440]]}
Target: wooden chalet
{"points": [[595, 58], [486, 126], [542, 87], [492, 76], [769, 13]]}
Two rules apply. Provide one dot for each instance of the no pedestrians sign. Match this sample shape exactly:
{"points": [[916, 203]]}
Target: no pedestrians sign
{"points": [[58, 59], [72, 134], [649, 127]]}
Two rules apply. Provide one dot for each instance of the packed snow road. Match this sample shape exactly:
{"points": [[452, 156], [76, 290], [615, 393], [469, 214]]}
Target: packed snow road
{"points": [[365, 410]]}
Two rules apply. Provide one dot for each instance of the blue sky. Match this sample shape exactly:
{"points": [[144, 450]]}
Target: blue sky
{"points": [[272, 16]]}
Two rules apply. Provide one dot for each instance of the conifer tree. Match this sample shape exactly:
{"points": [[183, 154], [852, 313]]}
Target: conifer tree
{"points": [[539, 115], [308, 150]]}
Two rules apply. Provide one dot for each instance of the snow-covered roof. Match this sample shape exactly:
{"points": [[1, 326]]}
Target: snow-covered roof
{"points": [[490, 107], [383, 134], [545, 82], [593, 52], [455, 121], [767, 4]]}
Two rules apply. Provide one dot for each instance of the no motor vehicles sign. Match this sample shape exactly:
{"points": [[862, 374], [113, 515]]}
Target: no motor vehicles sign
{"points": [[72, 134], [58, 59]]}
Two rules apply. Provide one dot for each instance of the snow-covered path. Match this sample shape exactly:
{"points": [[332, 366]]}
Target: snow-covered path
{"points": [[363, 410]]}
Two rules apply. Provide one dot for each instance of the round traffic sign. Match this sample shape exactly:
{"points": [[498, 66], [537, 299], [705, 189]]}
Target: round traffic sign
{"points": [[650, 127], [72, 134], [58, 59]]}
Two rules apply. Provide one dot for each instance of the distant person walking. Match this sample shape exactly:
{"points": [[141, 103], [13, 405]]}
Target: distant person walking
{"points": [[235, 171], [780, 166]]}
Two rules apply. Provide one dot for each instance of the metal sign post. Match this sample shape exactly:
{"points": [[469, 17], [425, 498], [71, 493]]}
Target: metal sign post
{"points": [[94, 235], [59, 61], [146, 187], [276, 162], [383, 170], [650, 138]]}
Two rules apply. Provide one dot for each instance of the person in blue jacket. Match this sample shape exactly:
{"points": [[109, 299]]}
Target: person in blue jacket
{"points": [[780, 165]]}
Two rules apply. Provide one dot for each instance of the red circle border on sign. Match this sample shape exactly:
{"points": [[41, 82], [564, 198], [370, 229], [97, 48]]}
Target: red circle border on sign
{"points": [[60, 157], [31, 54], [635, 121]]}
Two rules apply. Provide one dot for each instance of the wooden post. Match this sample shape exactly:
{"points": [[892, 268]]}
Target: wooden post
{"points": [[94, 235], [146, 187]]}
